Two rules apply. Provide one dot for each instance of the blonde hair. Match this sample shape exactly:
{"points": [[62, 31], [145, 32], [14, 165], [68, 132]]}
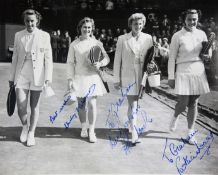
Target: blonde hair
{"points": [[136, 16], [83, 21]]}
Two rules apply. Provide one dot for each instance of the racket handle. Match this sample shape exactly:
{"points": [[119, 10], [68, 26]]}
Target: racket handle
{"points": [[142, 86]]}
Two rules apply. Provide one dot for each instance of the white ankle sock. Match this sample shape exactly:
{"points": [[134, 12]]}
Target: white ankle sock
{"points": [[83, 125]]}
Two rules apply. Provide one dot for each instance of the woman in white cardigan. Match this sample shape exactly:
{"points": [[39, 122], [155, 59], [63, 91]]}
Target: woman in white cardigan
{"points": [[190, 79], [31, 68], [128, 65]]}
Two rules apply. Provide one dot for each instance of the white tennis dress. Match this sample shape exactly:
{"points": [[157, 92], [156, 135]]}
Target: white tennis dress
{"points": [[86, 80]]}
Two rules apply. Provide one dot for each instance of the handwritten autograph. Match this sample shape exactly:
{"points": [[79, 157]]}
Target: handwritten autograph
{"points": [[57, 112], [78, 108], [181, 162], [113, 121]]}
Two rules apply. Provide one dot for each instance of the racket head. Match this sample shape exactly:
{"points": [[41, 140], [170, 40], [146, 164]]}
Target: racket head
{"points": [[95, 54]]}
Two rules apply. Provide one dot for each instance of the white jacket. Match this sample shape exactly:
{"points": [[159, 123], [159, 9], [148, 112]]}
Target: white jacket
{"points": [[41, 57]]}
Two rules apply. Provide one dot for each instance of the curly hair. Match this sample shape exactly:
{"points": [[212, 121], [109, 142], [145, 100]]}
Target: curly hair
{"points": [[32, 12], [191, 11], [136, 16], [83, 21]]}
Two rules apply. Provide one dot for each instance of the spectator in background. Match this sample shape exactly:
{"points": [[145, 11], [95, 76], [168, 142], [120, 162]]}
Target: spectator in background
{"points": [[117, 32], [54, 45], [109, 5], [120, 4], [59, 54], [97, 33], [155, 26], [124, 31], [165, 22], [84, 5], [108, 43], [212, 24], [174, 29], [179, 21], [164, 53], [110, 33], [65, 43], [99, 6]]}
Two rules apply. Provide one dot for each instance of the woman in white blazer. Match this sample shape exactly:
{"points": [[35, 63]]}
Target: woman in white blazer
{"points": [[31, 69], [128, 64]]}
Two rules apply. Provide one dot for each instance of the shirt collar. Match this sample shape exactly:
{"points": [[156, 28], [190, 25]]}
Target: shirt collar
{"points": [[32, 33]]}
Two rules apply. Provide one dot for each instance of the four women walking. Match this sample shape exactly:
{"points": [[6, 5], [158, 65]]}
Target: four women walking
{"points": [[32, 69]]}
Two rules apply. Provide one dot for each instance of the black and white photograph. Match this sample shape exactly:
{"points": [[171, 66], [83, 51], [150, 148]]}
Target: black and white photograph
{"points": [[108, 87]]}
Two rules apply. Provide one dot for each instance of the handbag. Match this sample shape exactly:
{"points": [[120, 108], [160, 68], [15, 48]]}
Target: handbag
{"points": [[48, 91], [11, 100], [151, 72], [96, 55]]}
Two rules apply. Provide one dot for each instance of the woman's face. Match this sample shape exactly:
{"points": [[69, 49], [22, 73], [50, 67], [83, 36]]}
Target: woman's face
{"points": [[191, 21], [137, 26], [30, 22], [86, 29]]}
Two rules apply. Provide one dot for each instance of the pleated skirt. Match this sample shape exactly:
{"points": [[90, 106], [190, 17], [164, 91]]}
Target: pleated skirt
{"points": [[191, 79]]}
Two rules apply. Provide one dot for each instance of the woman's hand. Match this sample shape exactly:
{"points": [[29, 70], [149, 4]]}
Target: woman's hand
{"points": [[117, 86], [205, 57], [70, 84], [171, 83], [97, 65], [11, 83], [47, 83]]}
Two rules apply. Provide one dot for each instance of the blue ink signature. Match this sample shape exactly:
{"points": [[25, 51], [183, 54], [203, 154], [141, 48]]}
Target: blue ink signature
{"points": [[114, 108], [122, 134], [80, 106], [139, 113], [113, 120], [182, 162], [55, 115]]}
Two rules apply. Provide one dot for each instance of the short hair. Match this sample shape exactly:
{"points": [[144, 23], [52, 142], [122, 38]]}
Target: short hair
{"points": [[83, 21], [32, 12], [136, 16], [191, 11]]}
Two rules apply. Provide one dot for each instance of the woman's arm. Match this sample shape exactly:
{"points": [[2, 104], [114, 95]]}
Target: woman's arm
{"points": [[173, 52], [70, 66], [106, 59], [14, 60], [118, 61], [48, 60]]}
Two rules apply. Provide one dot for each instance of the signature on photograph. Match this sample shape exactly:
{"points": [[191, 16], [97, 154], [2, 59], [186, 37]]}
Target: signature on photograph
{"points": [[78, 108], [174, 153], [113, 121]]}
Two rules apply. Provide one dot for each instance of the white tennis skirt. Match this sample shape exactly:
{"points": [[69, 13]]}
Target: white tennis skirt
{"points": [[88, 85], [191, 79]]}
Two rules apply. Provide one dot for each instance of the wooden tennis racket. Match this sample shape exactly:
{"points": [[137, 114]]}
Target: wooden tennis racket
{"points": [[96, 55]]}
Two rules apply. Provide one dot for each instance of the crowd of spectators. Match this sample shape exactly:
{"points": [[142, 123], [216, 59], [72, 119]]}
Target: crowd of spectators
{"points": [[60, 43], [97, 4], [160, 27]]}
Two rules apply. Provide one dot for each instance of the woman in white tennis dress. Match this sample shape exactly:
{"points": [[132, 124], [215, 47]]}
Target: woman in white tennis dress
{"points": [[83, 77]]}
